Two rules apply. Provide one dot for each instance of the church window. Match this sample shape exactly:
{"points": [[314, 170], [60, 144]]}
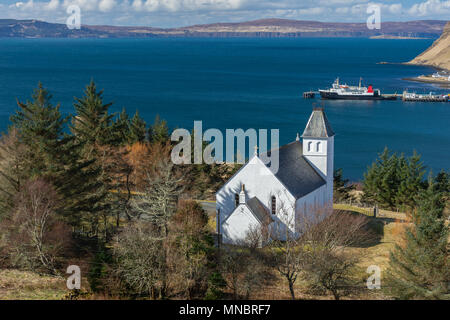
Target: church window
{"points": [[274, 205], [310, 146], [236, 200], [319, 147]]}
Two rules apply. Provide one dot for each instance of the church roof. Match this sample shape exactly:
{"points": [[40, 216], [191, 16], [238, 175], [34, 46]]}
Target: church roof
{"points": [[258, 209], [318, 125], [295, 172]]}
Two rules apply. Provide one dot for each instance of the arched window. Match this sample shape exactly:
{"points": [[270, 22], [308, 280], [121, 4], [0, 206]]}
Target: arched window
{"points": [[274, 205], [310, 146], [236, 200], [319, 147]]}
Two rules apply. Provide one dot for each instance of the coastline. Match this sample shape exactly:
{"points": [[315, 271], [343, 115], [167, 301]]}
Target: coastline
{"points": [[442, 84]]}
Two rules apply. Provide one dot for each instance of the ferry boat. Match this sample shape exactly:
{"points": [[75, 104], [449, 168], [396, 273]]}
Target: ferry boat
{"points": [[346, 92]]}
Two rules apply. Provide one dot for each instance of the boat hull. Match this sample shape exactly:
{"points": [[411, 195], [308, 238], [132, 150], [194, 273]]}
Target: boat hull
{"points": [[335, 96]]}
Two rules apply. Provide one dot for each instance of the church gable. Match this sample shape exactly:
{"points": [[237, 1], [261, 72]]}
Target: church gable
{"points": [[259, 182], [239, 223]]}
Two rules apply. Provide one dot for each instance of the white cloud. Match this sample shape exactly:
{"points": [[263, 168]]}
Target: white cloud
{"points": [[23, 5], [430, 7], [52, 5], [106, 5]]}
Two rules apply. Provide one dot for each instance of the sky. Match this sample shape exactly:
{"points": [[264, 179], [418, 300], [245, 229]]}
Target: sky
{"points": [[176, 13]]}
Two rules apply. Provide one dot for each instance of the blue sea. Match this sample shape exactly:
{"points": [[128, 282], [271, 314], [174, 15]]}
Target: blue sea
{"points": [[242, 83]]}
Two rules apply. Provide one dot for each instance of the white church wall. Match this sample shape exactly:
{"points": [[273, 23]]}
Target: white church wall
{"points": [[237, 226], [330, 168], [259, 182], [311, 206]]}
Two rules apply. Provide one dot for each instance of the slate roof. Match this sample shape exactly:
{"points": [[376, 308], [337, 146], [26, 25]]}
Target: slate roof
{"points": [[318, 125], [295, 172], [258, 209]]}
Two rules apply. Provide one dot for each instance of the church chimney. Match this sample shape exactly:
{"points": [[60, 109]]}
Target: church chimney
{"points": [[242, 197]]}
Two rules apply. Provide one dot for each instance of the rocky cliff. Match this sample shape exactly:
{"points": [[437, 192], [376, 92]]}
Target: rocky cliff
{"points": [[438, 55]]}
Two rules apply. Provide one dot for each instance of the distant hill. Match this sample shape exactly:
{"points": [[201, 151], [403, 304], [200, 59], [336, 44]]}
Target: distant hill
{"points": [[438, 55], [257, 28]]}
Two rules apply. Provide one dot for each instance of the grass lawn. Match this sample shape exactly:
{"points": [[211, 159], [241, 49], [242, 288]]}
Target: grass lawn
{"points": [[24, 285]]}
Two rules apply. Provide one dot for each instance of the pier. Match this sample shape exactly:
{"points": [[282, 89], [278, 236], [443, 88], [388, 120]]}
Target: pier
{"points": [[309, 95], [413, 97]]}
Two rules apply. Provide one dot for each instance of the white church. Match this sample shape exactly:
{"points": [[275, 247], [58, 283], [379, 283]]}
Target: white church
{"points": [[257, 194]]}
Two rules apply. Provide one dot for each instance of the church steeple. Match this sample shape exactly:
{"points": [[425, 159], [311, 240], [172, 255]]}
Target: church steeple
{"points": [[318, 146], [318, 125]]}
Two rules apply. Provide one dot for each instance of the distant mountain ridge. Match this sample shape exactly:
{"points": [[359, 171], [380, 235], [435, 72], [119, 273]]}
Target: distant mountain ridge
{"points": [[438, 55], [256, 28]]}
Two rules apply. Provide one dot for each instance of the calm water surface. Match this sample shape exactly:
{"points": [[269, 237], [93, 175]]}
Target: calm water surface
{"points": [[241, 83]]}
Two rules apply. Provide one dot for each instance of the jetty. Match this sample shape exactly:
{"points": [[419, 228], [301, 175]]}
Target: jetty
{"points": [[309, 95], [407, 96]]}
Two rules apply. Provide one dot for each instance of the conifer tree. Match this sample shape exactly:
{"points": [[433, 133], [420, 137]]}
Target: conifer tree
{"points": [[137, 131], [103, 140], [420, 269], [442, 183], [54, 155], [382, 180], [158, 132], [122, 127], [341, 187], [40, 126], [93, 125], [13, 159], [411, 175]]}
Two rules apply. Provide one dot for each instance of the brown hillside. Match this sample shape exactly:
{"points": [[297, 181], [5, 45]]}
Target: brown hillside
{"points": [[438, 55]]}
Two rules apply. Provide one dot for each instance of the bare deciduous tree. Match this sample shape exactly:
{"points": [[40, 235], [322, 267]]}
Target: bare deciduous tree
{"points": [[189, 243], [285, 247], [158, 202], [140, 264], [35, 233], [327, 265]]}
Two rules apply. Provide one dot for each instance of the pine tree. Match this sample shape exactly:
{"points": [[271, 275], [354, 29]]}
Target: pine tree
{"points": [[382, 179], [13, 157], [411, 176], [54, 155], [40, 126], [103, 140], [341, 187], [442, 183], [93, 125], [420, 269], [137, 129], [158, 132], [390, 180], [122, 127]]}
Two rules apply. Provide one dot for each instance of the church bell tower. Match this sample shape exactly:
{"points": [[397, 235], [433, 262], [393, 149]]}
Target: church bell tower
{"points": [[318, 146]]}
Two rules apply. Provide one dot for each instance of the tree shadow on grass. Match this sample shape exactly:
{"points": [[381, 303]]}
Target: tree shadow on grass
{"points": [[375, 225]]}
